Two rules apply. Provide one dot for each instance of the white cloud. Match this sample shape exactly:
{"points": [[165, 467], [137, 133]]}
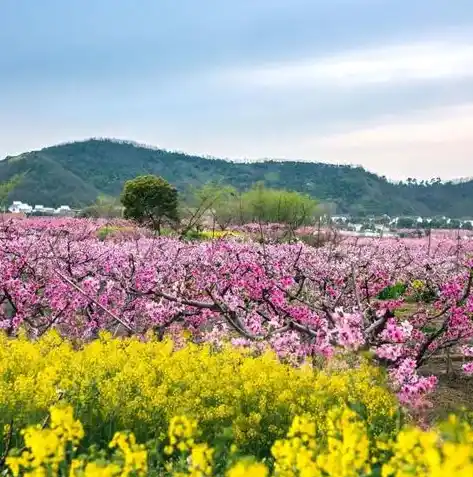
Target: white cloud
{"points": [[428, 60]]}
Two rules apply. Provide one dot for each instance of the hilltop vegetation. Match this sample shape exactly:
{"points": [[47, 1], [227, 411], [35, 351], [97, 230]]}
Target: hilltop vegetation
{"points": [[77, 173]]}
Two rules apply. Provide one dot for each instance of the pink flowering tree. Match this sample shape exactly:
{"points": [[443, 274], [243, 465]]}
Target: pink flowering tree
{"points": [[301, 301]]}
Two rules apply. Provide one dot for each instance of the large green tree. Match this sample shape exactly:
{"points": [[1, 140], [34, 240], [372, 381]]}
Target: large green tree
{"points": [[150, 200]]}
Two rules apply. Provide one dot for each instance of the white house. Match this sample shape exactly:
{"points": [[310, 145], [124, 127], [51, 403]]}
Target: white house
{"points": [[19, 207], [64, 211]]}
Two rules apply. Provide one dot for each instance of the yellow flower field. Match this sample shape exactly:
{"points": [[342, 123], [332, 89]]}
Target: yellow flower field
{"points": [[136, 407]]}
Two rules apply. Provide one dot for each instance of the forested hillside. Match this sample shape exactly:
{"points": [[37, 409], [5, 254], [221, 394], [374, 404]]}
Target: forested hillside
{"points": [[76, 173]]}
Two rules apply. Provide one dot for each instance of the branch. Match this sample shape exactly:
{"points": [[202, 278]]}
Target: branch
{"points": [[340, 295], [429, 341], [377, 325], [83, 293], [291, 324], [159, 330], [355, 287], [180, 301], [467, 291], [303, 328], [233, 318]]}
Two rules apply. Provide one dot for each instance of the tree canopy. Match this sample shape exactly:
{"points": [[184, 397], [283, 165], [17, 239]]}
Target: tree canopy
{"points": [[150, 200]]}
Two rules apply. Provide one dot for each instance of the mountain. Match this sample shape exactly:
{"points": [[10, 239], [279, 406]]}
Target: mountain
{"points": [[76, 173]]}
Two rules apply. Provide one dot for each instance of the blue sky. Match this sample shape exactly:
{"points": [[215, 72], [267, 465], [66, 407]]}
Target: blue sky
{"points": [[387, 84]]}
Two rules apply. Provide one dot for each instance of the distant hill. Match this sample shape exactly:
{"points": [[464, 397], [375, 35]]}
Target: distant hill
{"points": [[76, 173]]}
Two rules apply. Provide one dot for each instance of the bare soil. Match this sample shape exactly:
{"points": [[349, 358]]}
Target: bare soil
{"points": [[454, 392]]}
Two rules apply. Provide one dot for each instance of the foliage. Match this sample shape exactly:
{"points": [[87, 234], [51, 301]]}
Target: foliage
{"points": [[261, 204], [136, 384], [150, 200], [422, 291], [104, 207], [223, 206], [212, 201], [53, 451], [210, 234], [342, 447], [393, 292], [7, 187], [76, 173], [219, 234], [228, 209], [115, 231]]}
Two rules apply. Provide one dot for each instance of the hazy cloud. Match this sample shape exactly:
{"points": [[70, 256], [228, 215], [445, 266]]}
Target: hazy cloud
{"points": [[383, 83], [419, 61]]}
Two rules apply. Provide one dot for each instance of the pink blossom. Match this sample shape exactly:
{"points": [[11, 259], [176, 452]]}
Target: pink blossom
{"points": [[299, 300]]}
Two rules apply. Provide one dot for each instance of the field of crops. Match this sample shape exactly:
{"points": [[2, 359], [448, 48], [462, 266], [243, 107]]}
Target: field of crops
{"points": [[123, 353]]}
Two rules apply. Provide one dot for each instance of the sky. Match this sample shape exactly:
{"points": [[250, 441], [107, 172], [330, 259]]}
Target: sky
{"points": [[386, 84]]}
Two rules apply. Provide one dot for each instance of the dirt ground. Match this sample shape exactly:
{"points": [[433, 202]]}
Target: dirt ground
{"points": [[453, 393]]}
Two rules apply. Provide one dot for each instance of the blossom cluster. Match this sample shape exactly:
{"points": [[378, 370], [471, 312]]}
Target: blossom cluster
{"points": [[301, 301]]}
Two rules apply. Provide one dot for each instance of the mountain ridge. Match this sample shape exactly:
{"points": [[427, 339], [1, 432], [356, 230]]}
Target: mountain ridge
{"points": [[75, 173]]}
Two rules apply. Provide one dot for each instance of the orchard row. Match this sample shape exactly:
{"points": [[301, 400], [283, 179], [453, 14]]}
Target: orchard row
{"points": [[402, 301]]}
